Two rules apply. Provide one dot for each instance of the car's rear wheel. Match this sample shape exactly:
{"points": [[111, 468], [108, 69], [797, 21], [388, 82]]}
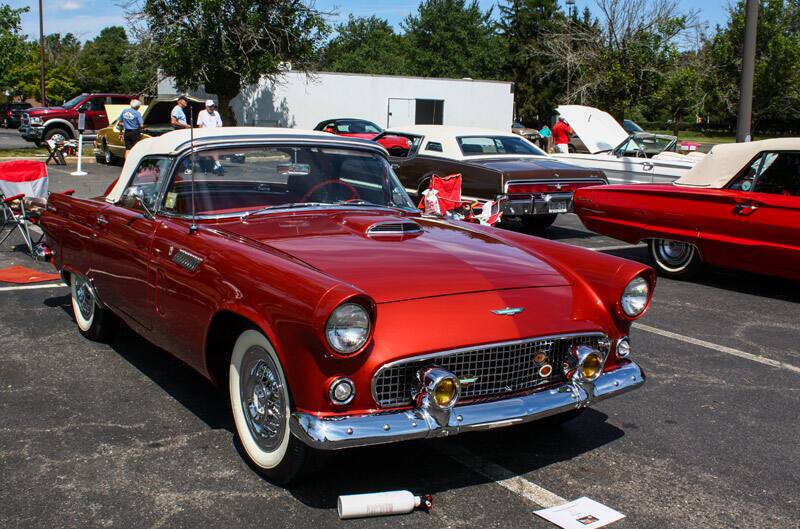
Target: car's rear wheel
{"points": [[94, 322], [675, 259], [108, 157], [538, 222], [261, 404]]}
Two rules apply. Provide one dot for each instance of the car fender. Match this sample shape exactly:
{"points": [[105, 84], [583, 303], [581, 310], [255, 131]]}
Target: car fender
{"points": [[673, 229], [59, 123]]}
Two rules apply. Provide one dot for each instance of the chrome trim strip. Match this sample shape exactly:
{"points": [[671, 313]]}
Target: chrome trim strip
{"points": [[428, 356], [548, 181], [333, 433]]}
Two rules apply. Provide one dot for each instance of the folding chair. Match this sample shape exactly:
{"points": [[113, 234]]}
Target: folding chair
{"points": [[23, 194]]}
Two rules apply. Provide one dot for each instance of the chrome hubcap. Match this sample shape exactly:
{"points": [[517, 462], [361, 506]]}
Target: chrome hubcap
{"points": [[58, 137], [84, 297], [674, 253], [107, 154], [262, 398]]}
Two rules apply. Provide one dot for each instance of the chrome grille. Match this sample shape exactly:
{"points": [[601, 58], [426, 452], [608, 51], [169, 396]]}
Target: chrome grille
{"points": [[25, 118], [485, 371]]}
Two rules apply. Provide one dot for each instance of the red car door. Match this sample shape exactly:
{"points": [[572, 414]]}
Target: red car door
{"points": [[96, 117], [122, 266]]}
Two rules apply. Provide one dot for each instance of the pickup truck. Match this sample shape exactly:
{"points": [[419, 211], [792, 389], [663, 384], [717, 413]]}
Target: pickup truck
{"points": [[61, 123]]}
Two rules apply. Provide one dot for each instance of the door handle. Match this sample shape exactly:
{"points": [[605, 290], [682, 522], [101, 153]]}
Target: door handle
{"points": [[647, 166], [102, 220], [744, 209]]}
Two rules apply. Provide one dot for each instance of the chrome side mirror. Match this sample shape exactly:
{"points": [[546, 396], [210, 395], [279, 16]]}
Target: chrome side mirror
{"points": [[133, 198]]}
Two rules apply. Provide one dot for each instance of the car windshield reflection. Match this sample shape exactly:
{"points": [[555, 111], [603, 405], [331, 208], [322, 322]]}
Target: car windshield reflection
{"points": [[245, 181]]}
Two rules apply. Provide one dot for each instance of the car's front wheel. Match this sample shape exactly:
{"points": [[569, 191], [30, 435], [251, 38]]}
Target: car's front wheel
{"points": [[261, 404], [538, 222], [675, 259], [94, 322]]}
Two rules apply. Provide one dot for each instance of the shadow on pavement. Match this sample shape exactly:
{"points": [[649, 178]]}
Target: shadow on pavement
{"points": [[554, 233]]}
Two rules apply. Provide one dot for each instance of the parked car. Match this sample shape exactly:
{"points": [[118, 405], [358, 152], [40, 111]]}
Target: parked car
{"points": [[526, 132], [361, 128], [494, 165], [61, 123], [304, 280], [109, 145], [640, 157], [11, 114], [738, 208]]}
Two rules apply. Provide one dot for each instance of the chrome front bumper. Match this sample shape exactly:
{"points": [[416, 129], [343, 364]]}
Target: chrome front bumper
{"points": [[388, 427], [515, 207]]}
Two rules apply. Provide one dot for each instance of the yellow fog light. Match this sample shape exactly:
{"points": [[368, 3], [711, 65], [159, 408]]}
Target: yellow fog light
{"points": [[445, 392], [591, 366], [440, 388]]}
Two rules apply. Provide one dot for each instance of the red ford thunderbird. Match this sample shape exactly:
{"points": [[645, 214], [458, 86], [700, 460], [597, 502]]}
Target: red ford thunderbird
{"points": [[303, 278], [737, 208], [361, 128]]}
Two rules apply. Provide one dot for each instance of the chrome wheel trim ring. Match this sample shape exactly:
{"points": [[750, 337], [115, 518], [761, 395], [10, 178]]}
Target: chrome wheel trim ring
{"points": [[674, 254], [107, 155], [263, 399], [84, 297], [58, 137]]}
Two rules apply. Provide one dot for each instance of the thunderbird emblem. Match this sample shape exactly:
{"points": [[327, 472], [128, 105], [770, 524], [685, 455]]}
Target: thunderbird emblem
{"points": [[508, 311]]}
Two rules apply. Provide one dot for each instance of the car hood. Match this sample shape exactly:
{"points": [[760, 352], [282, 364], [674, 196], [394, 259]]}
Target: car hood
{"points": [[598, 130], [45, 110], [535, 166], [442, 259]]}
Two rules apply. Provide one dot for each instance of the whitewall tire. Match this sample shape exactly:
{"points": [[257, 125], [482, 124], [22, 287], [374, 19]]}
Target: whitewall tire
{"points": [[93, 321], [675, 259]]}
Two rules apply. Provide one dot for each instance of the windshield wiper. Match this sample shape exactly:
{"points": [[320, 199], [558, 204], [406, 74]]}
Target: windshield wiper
{"points": [[367, 203], [290, 205]]}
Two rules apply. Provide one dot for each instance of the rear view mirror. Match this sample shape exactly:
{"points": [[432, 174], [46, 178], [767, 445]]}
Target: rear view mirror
{"points": [[133, 198]]}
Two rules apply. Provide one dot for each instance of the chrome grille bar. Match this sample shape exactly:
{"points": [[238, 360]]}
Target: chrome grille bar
{"points": [[485, 371]]}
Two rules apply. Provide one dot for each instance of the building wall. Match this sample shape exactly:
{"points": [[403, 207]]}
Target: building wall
{"points": [[301, 100]]}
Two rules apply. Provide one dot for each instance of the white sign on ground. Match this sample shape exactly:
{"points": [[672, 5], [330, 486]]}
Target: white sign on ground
{"points": [[582, 513]]}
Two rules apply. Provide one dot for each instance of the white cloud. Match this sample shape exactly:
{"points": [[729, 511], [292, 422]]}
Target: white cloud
{"points": [[71, 5]]}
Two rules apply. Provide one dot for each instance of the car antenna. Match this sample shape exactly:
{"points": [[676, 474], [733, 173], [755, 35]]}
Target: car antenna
{"points": [[193, 226]]}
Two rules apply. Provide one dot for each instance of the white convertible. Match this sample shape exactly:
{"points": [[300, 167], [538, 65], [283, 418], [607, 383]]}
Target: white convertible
{"points": [[624, 158]]}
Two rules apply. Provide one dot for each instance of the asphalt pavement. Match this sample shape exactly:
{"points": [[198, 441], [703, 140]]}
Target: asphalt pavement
{"points": [[124, 435]]}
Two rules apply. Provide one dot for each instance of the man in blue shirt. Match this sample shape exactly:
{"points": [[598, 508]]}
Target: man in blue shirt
{"points": [[178, 116], [132, 123]]}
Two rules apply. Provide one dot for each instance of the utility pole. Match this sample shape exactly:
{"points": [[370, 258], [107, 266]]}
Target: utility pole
{"points": [[41, 53], [570, 5], [743, 132]]}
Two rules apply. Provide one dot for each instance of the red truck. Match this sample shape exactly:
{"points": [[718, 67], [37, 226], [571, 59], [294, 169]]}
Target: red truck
{"points": [[61, 123]]}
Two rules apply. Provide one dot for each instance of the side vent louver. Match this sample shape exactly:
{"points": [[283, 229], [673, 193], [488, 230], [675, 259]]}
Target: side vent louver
{"points": [[394, 228], [187, 260]]}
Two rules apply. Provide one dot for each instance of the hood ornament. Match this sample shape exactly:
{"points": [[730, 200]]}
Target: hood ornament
{"points": [[508, 311]]}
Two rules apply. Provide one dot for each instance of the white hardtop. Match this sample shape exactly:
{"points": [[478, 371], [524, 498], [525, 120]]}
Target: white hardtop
{"points": [[178, 140], [724, 162], [446, 136], [598, 130]]}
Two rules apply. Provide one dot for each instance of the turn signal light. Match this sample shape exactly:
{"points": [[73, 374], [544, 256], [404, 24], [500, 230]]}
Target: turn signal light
{"points": [[445, 392], [591, 366]]}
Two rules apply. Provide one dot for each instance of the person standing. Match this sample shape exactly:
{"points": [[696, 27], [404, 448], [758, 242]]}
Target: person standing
{"points": [[178, 116], [545, 137], [131, 122], [209, 118], [561, 133]]}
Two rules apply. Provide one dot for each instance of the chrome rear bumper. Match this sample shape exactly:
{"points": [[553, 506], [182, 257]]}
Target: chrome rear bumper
{"points": [[378, 428], [543, 205]]}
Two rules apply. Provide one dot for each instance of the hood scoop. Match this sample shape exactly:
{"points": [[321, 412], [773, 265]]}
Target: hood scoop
{"points": [[402, 229]]}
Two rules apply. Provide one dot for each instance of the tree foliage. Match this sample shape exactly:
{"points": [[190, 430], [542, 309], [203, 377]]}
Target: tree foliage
{"points": [[365, 45], [13, 48], [227, 44]]}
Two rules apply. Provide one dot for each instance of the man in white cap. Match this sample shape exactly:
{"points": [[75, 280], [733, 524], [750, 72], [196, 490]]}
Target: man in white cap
{"points": [[131, 122], [209, 118]]}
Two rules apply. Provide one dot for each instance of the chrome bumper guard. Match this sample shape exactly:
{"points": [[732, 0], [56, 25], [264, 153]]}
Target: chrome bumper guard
{"points": [[388, 427], [552, 203]]}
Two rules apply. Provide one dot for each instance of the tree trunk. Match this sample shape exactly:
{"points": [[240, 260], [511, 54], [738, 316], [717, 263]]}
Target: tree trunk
{"points": [[225, 110]]}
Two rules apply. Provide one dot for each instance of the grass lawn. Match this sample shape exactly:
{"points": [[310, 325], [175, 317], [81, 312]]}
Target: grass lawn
{"points": [[22, 153], [699, 137]]}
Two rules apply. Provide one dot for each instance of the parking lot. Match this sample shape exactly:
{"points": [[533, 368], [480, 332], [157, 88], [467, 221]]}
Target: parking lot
{"points": [[124, 435]]}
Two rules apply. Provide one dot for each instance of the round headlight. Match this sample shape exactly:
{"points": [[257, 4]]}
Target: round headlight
{"points": [[623, 347], [348, 328], [635, 296], [342, 391], [591, 366]]}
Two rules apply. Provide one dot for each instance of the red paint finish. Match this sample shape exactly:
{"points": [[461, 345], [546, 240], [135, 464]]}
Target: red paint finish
{"points": [[720, 222], [285, 273]]}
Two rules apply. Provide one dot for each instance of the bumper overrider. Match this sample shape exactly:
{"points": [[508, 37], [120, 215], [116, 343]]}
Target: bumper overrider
{"points": [[428, 422]]}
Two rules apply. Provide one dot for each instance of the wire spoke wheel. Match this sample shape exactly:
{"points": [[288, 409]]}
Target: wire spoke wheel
{"points": [[262, 397], [84, 297]]}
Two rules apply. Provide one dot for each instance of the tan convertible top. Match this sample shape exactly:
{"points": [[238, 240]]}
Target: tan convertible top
{"points": [[725, 161]]}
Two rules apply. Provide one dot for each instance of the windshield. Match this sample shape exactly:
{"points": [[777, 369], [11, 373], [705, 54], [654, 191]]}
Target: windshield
{"points": [[74, 101], [645, 145], [503, 145], [246, 180]]}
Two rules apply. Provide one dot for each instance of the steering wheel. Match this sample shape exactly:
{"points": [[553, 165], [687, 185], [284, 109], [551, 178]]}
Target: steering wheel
{"points": [[326, 183]]}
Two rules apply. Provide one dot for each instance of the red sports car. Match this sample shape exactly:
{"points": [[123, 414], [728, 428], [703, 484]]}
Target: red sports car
{"points": [[303, 278], [361, 128], [737, 208]]}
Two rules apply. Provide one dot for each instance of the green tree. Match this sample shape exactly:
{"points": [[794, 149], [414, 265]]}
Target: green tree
{"points": [[365, 45], [776, 87], [12, 43], [228, 44], [453, 38], [524, 24], [102, 61], [62, 50], [23, 79]]}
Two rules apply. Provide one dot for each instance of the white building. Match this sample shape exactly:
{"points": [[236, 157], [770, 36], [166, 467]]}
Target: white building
{"points": [[301, 100]]}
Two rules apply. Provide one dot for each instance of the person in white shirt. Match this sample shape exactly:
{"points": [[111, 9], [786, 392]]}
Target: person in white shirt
{"points": [[210, 119]]}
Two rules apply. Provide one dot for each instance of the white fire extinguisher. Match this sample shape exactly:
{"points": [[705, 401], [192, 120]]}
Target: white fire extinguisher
{"points": [[381, 504]]}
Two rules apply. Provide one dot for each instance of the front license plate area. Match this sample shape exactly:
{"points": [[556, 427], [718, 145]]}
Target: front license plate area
{"points": [[557, 206]]}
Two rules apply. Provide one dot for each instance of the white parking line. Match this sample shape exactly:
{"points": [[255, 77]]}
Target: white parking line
{"points": [[500, 475], [33, 287], [721, 348]]}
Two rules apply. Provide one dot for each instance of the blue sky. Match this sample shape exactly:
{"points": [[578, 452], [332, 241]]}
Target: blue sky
{"points": [[86, 18]]}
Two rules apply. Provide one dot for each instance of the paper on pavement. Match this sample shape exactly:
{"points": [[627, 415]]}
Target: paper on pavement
{"points": [[582, 513]]}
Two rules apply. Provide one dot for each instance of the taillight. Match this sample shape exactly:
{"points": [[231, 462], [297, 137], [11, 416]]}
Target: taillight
{"points": [[552, 187]]}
